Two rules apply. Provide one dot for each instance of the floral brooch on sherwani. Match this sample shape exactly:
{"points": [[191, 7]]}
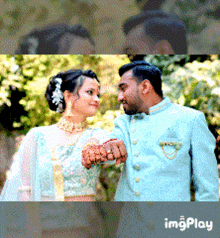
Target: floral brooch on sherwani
{"points": [[170, 144]]}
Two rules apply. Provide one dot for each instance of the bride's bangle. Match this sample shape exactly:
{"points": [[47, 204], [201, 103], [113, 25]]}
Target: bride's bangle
{"points": [[108, 141], [24, 189]]}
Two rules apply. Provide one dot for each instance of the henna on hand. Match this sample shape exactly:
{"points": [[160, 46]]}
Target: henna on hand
{"points": [[116, 150], [92, 154]]}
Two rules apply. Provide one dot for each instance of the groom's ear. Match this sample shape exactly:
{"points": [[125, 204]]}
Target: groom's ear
{"points": [[145, 87]]}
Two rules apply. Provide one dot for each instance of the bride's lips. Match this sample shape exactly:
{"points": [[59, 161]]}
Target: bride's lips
{"points": [[95, 105]]}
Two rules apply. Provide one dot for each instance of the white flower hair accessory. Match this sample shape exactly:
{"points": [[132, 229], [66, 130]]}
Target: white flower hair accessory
{"points": [[58, 95]]}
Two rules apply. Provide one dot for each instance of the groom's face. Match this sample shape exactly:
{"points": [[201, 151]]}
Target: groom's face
{"points": [[129, 94]]}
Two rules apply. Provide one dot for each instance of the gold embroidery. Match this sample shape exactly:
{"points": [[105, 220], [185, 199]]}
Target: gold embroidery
{"points": [[58, 182], [158, 108], [58, 174]]}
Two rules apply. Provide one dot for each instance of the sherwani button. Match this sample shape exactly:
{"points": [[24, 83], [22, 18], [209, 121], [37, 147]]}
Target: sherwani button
{"points": [[133, 121], [137, 167], [137, 179], [137, 194], [133, 130], [134, 142]]}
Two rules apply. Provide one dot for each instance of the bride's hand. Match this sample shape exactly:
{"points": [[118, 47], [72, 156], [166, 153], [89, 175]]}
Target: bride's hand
{"points": [[93, 154], [110, 150]]}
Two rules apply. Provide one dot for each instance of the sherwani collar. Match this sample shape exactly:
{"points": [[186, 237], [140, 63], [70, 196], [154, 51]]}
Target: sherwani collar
{"points": [[165, 103]]}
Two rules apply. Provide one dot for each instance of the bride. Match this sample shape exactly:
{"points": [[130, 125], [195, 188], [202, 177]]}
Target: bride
{"points": [[48, 165]]}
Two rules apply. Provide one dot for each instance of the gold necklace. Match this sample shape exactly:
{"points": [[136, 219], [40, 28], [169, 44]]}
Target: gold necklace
{"points": [[65, 125]]}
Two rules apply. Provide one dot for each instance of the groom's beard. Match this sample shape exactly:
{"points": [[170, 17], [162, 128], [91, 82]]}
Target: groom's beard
{"points": [[130, 109]]}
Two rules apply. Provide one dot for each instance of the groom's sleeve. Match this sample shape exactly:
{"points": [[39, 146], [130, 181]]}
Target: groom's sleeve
{"points": [[204, 163], [117, 132]]}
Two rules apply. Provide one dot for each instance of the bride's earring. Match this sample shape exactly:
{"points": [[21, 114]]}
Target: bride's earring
{"points": [[69, 110]]}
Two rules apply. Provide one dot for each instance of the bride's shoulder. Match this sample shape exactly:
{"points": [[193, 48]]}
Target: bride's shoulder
{"points": [[42, 130]]}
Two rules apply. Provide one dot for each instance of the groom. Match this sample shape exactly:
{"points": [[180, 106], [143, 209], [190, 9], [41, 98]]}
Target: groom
{"points": [[167, 144]]}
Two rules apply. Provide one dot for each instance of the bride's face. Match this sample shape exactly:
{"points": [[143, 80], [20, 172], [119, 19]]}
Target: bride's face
{"points": [[88, 102]]}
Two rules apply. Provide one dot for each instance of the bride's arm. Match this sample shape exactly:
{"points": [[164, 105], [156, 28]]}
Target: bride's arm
{"points": [[28, 153], [24, 192], [20, 178]]}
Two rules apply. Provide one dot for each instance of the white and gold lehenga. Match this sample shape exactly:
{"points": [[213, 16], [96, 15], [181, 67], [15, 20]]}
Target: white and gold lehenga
{"points": [[48, 161], [46, 155]]}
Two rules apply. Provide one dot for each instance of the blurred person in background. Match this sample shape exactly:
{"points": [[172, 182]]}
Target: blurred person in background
{"points": [[57, 39], [62, 219], [154, 32]]}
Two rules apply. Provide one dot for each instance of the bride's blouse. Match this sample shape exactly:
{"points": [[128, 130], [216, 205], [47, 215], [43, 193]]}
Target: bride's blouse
{"points": [[33, 164]]}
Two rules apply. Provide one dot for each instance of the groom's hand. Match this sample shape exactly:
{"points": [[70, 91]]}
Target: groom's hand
{"points": [[116, 149]]}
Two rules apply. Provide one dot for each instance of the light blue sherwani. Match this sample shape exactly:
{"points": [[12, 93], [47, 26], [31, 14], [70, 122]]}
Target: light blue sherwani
{"points": [[166, 148]]}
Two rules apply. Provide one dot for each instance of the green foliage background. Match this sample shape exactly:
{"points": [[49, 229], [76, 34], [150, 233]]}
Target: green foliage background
{"points": [[193, 81]]}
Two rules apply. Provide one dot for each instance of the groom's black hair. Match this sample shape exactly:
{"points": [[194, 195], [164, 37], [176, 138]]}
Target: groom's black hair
{"points": [[142, 70]]}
